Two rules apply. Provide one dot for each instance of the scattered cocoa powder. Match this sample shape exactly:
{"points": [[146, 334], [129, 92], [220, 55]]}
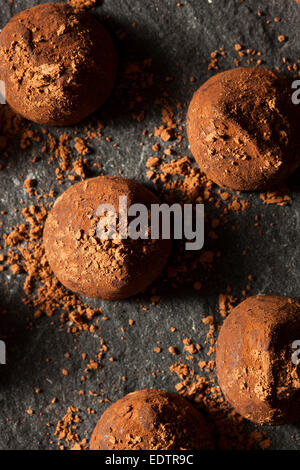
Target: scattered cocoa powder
{"points": [[172, 174], [82, 4], [58, 85]]}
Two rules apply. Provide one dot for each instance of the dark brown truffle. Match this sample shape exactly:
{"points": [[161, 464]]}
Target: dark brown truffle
{"points": [[58, 66], [151, 420], [241, 126], [254, 359], [105, 269]]}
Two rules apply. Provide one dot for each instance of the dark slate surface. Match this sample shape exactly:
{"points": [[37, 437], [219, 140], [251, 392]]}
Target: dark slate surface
{"points": [[180, 41]]}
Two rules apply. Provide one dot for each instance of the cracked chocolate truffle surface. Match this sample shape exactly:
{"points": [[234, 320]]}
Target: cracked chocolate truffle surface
{"points": [[151, 420], [243, 129], [254, 359], [58, 66], [101, 268]]}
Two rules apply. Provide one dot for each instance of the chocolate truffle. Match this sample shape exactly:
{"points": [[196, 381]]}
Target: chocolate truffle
{"points": [[151, 420], [107, 268], [254, 359], [58, 66], [241, 128]]}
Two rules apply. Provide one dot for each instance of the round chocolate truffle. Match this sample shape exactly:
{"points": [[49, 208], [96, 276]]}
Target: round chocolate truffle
{"points": [[241, 126], [90, 264], [151, 420], [255, 365], [58, 66]]}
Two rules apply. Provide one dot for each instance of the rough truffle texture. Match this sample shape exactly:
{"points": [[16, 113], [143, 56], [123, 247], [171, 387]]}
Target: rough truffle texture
{"points": [[254, 359], [105, 269], [151, 420], [244, 130], [59, 66]]}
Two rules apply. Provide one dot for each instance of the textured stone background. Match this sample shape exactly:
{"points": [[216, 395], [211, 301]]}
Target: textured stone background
{"points": [[180, 41]]}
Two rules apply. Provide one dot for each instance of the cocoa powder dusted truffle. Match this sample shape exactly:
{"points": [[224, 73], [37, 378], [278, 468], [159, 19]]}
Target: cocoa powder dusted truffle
{"points": [[254, 359], [3, 139], [151, 420], [58, 65], [101, 268], [241, 126]]}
